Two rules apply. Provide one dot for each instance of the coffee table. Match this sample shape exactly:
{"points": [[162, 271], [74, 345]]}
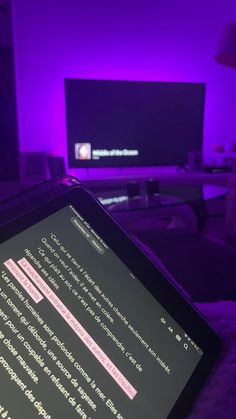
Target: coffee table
{"points": [[186, 205]]}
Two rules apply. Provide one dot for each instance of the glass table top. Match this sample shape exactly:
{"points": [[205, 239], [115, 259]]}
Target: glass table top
{"points": [[117, 199]]}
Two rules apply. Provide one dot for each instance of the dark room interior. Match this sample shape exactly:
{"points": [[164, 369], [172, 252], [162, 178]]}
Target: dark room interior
{"points": [[136, 101]]}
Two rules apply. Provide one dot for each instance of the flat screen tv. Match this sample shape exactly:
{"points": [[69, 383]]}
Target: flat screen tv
{"points": [[112, 123]]}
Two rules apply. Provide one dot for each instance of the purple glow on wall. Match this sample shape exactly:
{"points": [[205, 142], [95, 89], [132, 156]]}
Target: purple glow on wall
{"points": [[148, 41]]}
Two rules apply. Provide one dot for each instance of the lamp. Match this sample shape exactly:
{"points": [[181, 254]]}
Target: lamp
{"points": [[226, 52]]}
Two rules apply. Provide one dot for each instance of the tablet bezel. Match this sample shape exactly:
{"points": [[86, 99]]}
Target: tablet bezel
{"points": [[171, 298]]}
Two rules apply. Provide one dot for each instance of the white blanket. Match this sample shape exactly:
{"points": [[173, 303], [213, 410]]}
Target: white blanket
{"points": [[218, 397]]}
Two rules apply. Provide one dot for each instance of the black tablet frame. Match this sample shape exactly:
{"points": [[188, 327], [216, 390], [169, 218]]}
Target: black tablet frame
{"points": [[156, 281]]}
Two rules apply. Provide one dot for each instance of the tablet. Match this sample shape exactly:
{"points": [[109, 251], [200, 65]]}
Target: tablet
{"points": [[89, 326]]}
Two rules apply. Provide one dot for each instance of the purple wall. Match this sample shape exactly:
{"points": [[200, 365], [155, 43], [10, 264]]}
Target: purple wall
{"points": [[148, 40]]}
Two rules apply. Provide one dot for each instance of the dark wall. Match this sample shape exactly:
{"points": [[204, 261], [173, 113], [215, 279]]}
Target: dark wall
{"points": [[9, 150]]}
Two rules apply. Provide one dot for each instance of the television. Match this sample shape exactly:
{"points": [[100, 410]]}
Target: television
{"points": [[116, 123]]}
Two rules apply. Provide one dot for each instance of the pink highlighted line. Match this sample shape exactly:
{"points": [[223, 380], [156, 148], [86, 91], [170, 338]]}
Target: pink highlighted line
{"points": [[78, 329], [23, 280]]}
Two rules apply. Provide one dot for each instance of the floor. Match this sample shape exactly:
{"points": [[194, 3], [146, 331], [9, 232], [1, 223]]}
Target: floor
{"points": [[203, 262]]}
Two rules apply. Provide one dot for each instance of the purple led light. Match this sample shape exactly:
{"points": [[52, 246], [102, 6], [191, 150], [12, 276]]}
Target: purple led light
{"points": [[100, 40]]}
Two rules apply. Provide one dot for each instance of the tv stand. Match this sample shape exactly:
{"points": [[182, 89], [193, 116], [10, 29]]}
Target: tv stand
{"points": [[165, 175]]}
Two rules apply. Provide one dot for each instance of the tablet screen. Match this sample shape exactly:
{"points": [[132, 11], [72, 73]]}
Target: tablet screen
{"points": [[81, 337]]}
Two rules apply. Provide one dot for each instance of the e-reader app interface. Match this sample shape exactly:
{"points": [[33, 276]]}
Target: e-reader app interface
{"points": [[80, 336]]}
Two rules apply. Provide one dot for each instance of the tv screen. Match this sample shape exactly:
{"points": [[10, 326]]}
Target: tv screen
{"points": [[113, 123]]}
